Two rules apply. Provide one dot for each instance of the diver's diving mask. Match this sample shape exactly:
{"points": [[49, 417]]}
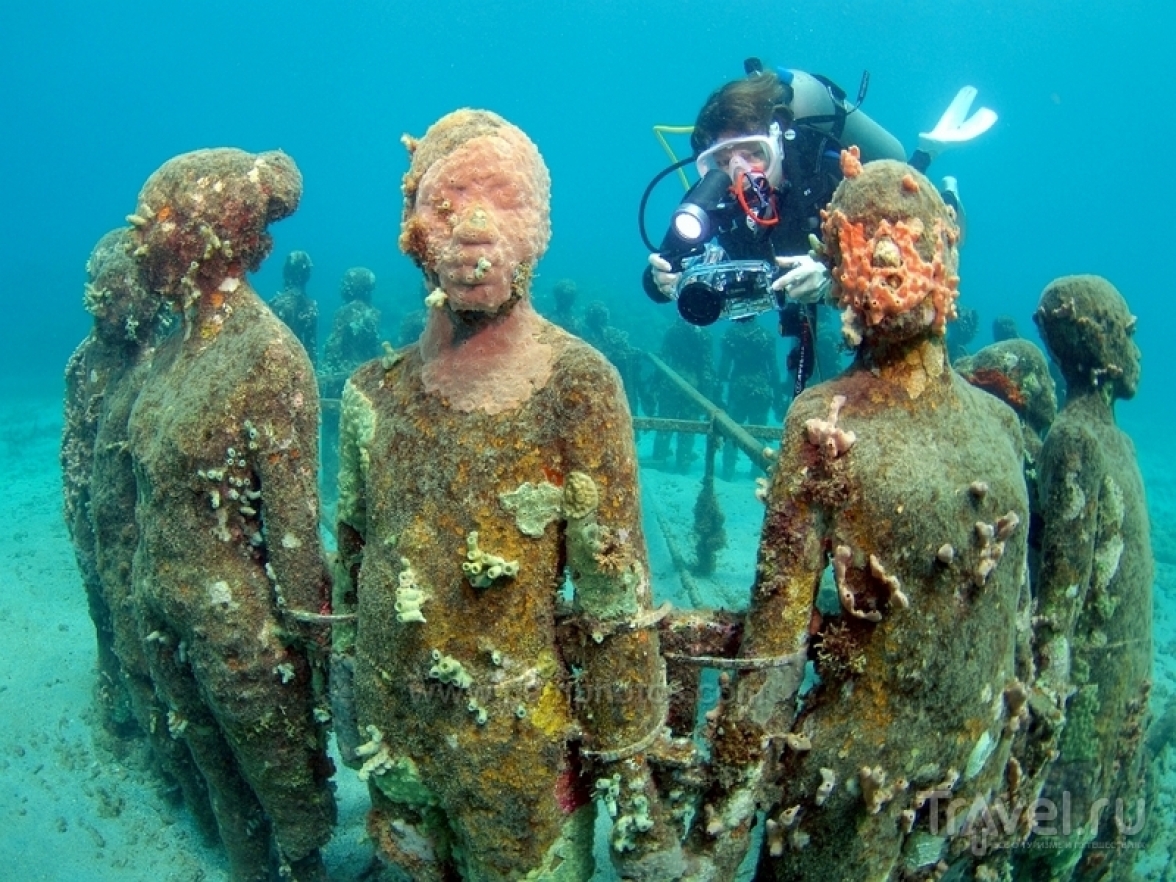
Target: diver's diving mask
{"points": [[749, 153]]}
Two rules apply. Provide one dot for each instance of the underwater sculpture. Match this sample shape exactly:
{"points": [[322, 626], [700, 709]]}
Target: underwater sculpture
{"points": [[563, 313], [294, 306], [103, 380], [126, 320], [1093, 636], [689, 351], [906, 481], [228, 575], [492, 700], [613, 343], [355, 334]]}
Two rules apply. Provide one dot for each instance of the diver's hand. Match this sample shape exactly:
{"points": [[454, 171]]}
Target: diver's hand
{"points": [[664, 276], [806, 279]]}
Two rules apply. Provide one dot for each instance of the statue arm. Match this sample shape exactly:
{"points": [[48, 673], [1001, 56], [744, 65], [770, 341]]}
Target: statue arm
{"points": [[283, 439], [622, 681]]}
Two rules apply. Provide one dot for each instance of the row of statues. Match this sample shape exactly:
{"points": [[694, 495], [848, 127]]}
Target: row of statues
{"points": [[355, 331], [483, 643]]}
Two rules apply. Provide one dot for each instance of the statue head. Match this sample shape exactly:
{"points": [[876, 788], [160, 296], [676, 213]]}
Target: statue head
{"points": [[358, 283], [890, 241], [1087, 328], [476, 210], [296, 270], [202, 218], [125, 311]]}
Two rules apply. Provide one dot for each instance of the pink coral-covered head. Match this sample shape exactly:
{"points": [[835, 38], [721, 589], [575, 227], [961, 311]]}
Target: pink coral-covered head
{"points": [[891, 243], [476, 209], [202, 217]]}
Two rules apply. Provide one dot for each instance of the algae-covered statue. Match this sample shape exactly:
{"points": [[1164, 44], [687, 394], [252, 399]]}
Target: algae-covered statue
{"points": [[294, 305], [126, 321], [355, 333], [506, 664], [1016, 372], [1093, 637], [102, 383], [906, 482], [229, 568]]}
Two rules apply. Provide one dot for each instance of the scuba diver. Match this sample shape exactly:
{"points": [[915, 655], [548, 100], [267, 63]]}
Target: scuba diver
{"points": [[767, 151]]}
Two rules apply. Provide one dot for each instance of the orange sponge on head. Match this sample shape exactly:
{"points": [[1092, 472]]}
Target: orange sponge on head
{"points": [[890, 241]]}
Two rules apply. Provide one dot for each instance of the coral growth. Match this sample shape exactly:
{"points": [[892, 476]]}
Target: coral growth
{"points": [[892, 249]]}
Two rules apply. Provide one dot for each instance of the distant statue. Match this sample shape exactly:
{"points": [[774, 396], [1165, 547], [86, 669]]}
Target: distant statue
{"points": [[613, 344], [1004, 327], [962, 332], [564, 293], [688, 350], [355, 335], [412, 325], [748, 367], [294, 306], [494, 705], [229, 577]]}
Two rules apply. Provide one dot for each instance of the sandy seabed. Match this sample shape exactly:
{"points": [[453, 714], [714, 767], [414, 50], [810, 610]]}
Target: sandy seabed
{"points": [[78, 805]]}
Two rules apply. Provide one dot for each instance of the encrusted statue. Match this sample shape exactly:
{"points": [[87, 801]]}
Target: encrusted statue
{"points": [[355, 333], [294, 305], [229, 578], [1093, 640], [868, 702], [506, 664]]}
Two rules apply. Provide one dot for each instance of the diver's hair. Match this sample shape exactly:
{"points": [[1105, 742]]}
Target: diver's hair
{"points": [[746, 106]]}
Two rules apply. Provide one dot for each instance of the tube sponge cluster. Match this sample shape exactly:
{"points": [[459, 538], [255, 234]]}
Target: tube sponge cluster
{"points": [[891, 243]]}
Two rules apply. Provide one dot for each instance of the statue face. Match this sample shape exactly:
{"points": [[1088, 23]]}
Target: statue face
{"points": [[1127, 384], [478, 215]]}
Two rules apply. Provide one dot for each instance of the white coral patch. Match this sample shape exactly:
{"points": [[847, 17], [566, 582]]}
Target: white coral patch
{"points": [[219, 594]]}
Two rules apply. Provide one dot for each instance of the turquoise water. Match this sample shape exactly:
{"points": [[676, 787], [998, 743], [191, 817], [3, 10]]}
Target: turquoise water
{"points": [[94, 96]]}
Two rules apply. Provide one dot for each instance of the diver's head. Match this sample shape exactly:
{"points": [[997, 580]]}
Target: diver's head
{"points": [[743, 107]]}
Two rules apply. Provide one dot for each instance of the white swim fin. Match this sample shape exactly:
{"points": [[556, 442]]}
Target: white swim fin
{"points": [[955, 126]]}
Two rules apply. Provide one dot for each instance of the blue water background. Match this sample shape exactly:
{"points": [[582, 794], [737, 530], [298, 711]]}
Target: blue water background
{"points": [[95, 95]]}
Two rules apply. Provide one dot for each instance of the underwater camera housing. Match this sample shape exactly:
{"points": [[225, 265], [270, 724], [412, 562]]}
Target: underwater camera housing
{"points": [[712, 287]]}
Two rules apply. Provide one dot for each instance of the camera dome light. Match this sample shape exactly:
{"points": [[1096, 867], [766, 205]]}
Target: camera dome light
{"points": [[691, 223]]}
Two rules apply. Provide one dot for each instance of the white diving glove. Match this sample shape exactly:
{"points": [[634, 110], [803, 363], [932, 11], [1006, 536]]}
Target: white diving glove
{"points": [[664, 276], [806, 280], [955, 126]]}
